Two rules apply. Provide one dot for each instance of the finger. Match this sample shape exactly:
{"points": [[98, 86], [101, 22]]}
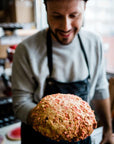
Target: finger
{"points": [[103, 141]]}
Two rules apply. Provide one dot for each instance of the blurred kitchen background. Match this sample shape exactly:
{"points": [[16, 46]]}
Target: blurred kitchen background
{"points": [[22, 18]]}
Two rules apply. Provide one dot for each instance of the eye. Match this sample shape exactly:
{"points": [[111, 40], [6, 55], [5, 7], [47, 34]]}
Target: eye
{"points": [[57, 16], [74, 15]]}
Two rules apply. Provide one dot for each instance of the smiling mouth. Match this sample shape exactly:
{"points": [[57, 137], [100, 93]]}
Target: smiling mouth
{"points": [[65, 34]]}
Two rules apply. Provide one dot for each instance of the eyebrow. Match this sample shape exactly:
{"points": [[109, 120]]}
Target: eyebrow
{"points": [[61, 14]]}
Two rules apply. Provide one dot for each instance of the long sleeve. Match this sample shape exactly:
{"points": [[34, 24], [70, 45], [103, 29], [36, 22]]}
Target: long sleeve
{"points": [[101, 89], [22, 84]]}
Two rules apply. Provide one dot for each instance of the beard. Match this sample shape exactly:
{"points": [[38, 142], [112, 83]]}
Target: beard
{"points": [[63, 41]]}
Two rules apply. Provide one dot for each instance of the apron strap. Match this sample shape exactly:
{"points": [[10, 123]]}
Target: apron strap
{"points": [[85, 55], [49, 53]]}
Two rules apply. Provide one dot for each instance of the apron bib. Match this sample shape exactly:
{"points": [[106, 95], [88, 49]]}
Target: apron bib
{"points": [[80, 88]]}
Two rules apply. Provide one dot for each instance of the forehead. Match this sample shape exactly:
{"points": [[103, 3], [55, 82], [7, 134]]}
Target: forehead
{"points": [[65, 6]]}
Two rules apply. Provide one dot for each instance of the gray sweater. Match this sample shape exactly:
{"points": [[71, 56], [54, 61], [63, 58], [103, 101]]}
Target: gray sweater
{"points": [[30, 69]]}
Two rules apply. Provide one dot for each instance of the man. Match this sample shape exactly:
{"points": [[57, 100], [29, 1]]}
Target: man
{"points": [[56, 60]]}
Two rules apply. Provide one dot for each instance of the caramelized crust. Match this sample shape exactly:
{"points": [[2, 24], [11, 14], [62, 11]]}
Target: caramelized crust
{"points": [[63, 117]]}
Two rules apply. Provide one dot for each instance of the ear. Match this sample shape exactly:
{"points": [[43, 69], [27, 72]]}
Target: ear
{"points": [[45, 6], [85, 5]]}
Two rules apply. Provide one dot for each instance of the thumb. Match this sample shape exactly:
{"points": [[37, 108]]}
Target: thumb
{"points": [[103, 141]]}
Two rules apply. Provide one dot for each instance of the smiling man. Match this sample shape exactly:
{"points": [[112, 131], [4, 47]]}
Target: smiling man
{"points": [[61, 59], [65, 19]]}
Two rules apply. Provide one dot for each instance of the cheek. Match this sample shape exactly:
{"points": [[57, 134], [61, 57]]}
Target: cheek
{"points": [[78, 23], [52, 23]]}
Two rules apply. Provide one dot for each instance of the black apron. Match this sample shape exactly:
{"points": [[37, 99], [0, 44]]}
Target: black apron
{"points": [[80, 88]]}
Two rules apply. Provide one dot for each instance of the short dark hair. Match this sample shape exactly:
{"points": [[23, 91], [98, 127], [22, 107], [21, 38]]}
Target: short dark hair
{"points": [[48, 0]]}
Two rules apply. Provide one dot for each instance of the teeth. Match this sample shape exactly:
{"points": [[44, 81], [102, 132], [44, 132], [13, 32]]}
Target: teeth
{"points": [[65, 33]]}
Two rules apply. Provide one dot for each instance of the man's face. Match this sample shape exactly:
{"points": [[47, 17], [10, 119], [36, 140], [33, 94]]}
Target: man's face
{"points": [[65, 18]]}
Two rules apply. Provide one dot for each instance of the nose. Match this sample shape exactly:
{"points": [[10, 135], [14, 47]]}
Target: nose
{"points": [[66, 24]]}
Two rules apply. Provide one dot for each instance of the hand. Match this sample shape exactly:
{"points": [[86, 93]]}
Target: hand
{"points": [[29, 120], [107, 138]]}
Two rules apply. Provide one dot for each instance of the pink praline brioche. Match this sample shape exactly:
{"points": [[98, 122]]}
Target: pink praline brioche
{"points": [[63, 117]]}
